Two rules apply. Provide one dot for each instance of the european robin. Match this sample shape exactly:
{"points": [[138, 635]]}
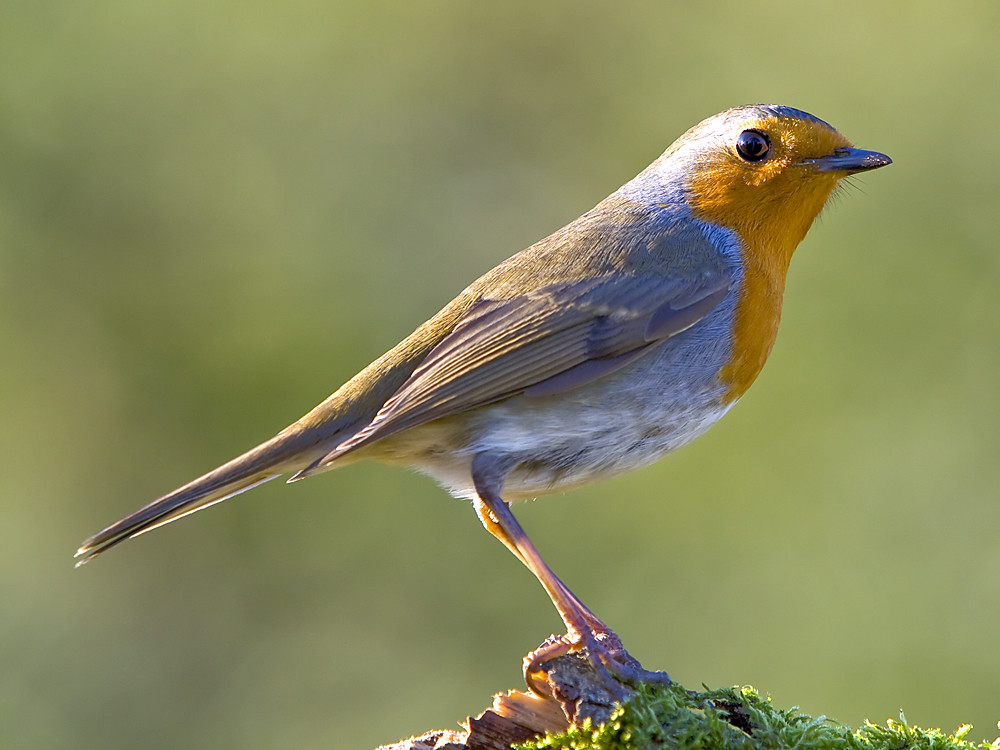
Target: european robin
{"points": [[599, 349]]}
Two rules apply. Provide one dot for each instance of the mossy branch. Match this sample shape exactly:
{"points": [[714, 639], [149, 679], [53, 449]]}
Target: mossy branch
{"points": [[582, 713]]}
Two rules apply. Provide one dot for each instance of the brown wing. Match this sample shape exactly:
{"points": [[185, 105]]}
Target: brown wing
{"points": [[550, 340]]}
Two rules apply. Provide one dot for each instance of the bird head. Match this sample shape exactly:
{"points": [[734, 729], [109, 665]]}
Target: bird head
{"points": [[766, 172]]}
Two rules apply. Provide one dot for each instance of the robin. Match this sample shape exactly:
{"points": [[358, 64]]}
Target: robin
{"points": [[599, 349]]}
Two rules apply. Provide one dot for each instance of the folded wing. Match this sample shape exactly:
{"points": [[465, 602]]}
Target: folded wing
{"points": [[553, 339]]}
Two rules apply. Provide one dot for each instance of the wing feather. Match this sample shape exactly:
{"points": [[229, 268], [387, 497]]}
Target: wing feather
{"points": [[559, 337]]}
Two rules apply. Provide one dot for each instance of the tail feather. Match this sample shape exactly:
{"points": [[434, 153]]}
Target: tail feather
{"points": [[298, 449], [269, 460]]}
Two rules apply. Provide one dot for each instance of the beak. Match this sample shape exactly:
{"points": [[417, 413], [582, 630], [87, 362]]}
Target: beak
{"points": [[850, 160]]}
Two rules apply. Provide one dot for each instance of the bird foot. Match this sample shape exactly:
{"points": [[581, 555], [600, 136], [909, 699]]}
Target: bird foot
{"points": [[611, 663]]}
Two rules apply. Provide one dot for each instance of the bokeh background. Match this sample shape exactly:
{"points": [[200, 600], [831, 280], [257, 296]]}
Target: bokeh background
{"points": [[213, 213]]}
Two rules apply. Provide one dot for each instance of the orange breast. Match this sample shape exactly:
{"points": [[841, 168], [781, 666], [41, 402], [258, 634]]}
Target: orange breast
{"points": [[770, 206], [758, 312]]}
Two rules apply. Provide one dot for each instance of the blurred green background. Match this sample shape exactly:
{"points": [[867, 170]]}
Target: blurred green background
{"points": [[213, 213]]}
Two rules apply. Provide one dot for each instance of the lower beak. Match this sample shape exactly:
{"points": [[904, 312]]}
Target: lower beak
{"points": [[850, 160]]}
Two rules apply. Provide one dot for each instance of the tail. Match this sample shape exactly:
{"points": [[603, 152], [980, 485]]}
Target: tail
{"points": [[296, 448], [281, 454]]}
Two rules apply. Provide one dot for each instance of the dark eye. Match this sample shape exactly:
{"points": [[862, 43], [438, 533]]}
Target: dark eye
{"points": [[753, 145]]}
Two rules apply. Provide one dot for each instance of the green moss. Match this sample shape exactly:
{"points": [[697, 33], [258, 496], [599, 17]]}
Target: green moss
{"points": [[739, 719]]}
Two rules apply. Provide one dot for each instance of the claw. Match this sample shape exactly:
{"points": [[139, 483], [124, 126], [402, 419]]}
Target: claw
{"points": [[604, 650]]}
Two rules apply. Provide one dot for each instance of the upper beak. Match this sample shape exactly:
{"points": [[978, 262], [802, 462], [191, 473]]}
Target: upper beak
{"points": [[850, 160]]}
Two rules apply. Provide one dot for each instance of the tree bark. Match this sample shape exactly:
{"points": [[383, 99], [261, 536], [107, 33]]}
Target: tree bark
{"points": [[576, 692]]}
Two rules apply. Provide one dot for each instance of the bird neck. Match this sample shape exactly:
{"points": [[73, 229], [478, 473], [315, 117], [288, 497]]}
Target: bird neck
{"points": [[770, 227]]}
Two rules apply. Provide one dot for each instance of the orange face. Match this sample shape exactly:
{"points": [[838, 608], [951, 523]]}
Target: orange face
{"points": [[763, 183], [770, 203]]}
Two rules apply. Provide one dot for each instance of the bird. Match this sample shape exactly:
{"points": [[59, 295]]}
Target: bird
{"points": [[599, 349]]}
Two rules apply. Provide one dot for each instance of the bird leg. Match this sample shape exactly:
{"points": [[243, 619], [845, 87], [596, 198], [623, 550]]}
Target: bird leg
{"points": [[584, 630]]}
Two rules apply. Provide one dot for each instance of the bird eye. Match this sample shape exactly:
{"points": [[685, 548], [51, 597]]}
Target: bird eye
{"points": [[753, 145]]}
